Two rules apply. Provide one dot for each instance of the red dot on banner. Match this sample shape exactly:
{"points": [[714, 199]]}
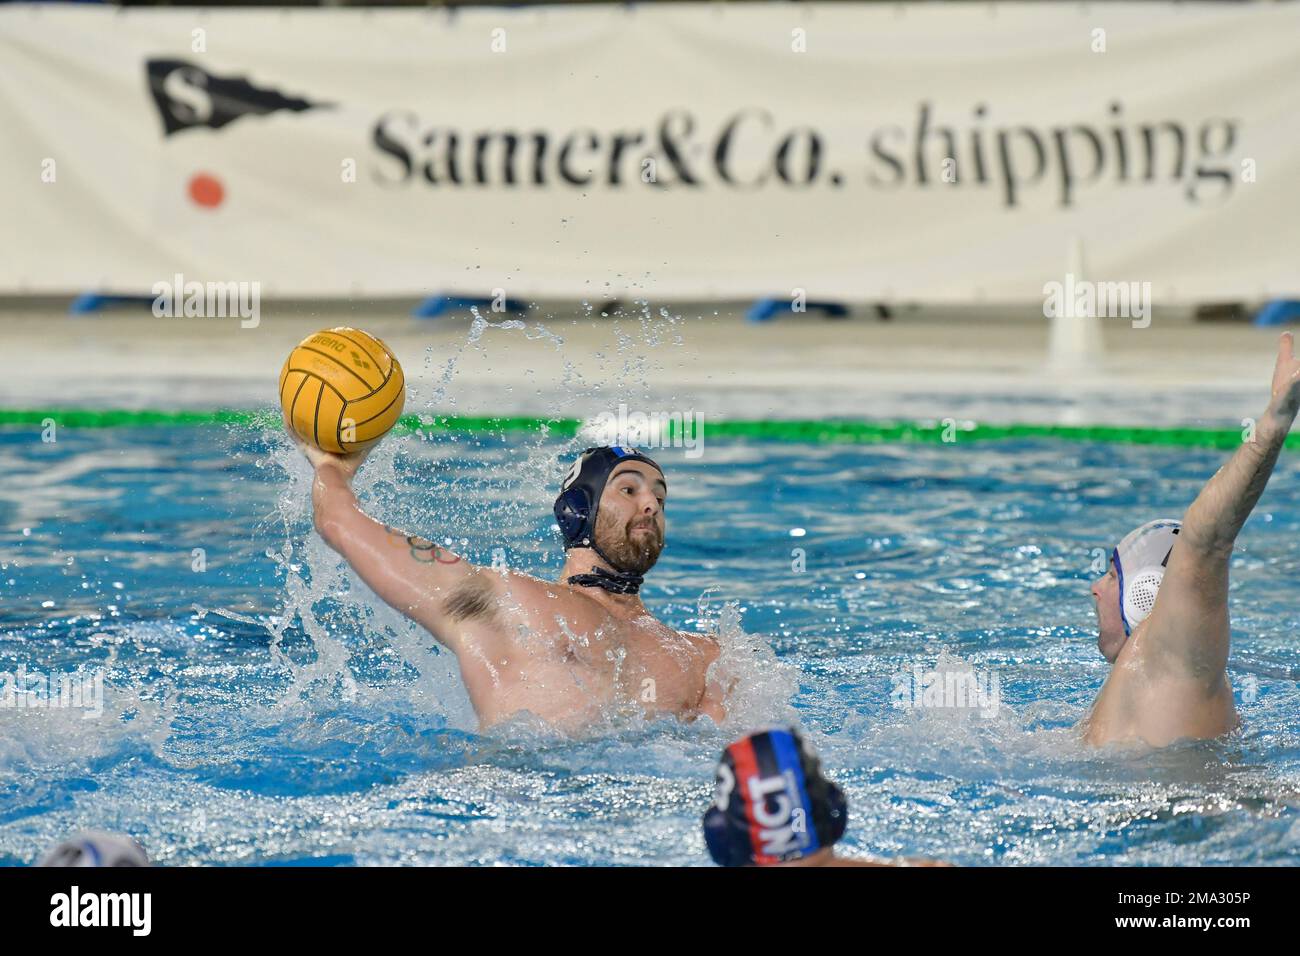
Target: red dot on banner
{"points": [[206, 190]]}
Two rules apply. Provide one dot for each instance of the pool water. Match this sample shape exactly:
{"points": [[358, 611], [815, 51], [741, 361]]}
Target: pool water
{"points": [[259, 706]]}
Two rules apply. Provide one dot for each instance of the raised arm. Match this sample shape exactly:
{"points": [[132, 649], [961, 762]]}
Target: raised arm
{"points": [[423, 580], [1188, 626]]}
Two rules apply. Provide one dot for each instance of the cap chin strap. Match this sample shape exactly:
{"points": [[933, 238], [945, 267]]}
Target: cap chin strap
{"points": [[1119, 571], [616, 581]]}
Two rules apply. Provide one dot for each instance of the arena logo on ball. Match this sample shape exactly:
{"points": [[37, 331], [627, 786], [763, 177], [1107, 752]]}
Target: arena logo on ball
{"points": [[649, 429], [208, 300]]}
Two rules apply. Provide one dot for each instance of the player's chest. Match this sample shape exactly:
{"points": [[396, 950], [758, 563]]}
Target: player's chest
{"points": [[636, 650]]}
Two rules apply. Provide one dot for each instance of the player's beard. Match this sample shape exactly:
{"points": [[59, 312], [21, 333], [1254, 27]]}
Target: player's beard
{"points": [[628, 553]]}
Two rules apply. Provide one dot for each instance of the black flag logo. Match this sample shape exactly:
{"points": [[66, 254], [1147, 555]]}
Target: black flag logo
{"points": [[188, 96]]}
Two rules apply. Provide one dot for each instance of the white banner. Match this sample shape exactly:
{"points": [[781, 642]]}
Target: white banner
{"points": [[877, 152]]}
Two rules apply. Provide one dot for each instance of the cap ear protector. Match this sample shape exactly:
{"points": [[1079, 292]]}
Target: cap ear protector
{"points": [[579, 500], [771, 803], [1140, 562], [1140, 597]]}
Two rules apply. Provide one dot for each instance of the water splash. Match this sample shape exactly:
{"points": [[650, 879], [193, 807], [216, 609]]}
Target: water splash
{"points": [[760, 687]]}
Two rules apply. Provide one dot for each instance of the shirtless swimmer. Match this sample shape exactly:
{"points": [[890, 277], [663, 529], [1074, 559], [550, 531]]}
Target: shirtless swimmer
{"points": [[567, 651], [1162, 608]]}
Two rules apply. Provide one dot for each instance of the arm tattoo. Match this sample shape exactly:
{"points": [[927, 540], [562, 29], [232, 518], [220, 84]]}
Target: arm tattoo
{"points": [[426, 551], [423, 550]]}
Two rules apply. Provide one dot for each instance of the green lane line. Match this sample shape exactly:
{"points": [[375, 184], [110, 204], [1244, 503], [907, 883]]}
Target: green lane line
{"points": [[810, 431]]}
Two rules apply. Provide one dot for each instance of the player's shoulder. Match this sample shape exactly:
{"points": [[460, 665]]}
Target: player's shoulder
{"points": [[527, 592], [704, 643], [521, 586]]}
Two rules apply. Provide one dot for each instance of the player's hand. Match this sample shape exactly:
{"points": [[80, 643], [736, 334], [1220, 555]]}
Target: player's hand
{"points": [[347, 464], [1286, 377]]}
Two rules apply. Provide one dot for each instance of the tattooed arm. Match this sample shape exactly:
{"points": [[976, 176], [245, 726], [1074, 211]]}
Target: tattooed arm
{"points": [[425, 581], [1188, 627]]}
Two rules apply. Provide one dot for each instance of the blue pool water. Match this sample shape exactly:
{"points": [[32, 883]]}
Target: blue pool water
{"points": [[259, 707]]}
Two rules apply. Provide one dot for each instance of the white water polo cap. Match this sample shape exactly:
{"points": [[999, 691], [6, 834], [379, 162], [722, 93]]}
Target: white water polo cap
{"points": [[1140, 561]]}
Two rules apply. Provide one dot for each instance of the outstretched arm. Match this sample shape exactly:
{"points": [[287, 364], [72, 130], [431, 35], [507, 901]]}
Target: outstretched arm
{"points": [[1188, 627], [426, 582]]}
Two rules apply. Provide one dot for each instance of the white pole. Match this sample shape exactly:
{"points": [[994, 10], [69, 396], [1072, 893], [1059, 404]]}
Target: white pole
{"points": [[1075, 343]]}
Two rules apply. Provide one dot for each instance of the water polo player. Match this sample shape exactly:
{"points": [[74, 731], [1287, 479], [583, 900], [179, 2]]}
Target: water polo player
{"points": [[772, 807], [567, 652], [1162, 608]]}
